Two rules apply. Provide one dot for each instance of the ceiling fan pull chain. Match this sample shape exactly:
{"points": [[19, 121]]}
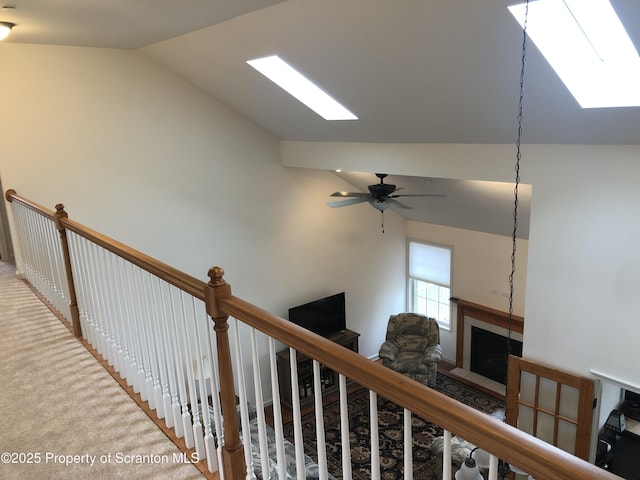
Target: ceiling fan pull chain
{"points": [[382, 216]]}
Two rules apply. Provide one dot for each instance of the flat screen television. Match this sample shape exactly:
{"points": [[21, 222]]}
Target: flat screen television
{"points": [[325, 316]]}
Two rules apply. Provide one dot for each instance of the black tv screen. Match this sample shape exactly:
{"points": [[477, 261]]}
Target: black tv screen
{"points": [[325, 316]]}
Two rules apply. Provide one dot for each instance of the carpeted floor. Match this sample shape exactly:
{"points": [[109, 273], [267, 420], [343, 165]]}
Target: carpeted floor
{"points": [[390, 420], [59, 408]]}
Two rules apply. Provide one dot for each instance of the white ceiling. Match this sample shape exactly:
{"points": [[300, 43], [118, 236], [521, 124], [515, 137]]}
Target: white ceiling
{"points": [[432, 71]]}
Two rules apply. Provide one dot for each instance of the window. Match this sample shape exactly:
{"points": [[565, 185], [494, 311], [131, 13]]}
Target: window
{"points": [[430, 281]]}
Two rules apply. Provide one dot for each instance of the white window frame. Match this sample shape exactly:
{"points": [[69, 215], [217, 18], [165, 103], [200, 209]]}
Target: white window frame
{"points": [[439, 278]]}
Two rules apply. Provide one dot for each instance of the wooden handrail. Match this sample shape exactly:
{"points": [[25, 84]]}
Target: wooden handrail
{"points": [[169, 274], [175, 277], [233, 450], [538, 458], [56, 216], [12, 196]]}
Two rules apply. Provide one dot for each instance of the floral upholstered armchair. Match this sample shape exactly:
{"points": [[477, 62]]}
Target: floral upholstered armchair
{"points": [[412, 347]]}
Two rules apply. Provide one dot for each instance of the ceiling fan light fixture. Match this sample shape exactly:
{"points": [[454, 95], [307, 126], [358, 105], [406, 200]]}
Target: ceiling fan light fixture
{"points": [[379, 204], [5, 29]]}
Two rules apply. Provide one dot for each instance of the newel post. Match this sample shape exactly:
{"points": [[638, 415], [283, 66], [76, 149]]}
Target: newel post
{"points": [[232, 453], [73, 301]]}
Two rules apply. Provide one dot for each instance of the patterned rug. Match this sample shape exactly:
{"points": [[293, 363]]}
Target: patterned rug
{"points": [[390, 424]]}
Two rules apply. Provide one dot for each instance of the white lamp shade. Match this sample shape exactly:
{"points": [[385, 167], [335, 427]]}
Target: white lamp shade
{"points": [[482, 458], [378, 205], [469, 471]]}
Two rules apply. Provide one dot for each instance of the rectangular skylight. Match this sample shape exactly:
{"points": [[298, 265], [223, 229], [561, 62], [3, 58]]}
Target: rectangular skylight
{"points": [[588, 47], [296, 84]]}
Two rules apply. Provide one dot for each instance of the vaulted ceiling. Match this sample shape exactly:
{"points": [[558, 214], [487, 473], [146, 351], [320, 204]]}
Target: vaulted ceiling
{"points": [[413, 71]]}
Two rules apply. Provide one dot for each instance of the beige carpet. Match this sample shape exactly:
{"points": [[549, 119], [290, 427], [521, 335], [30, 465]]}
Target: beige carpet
{"points": [[58, 404]]}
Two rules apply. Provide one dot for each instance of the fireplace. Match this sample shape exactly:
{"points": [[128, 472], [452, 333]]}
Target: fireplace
{"points": [[489, 354]]}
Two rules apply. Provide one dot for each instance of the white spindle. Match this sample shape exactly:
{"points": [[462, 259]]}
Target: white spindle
{"points": [[103, 332], [46, 252], [92, 297], [408, 446], [56, 265], [446, 455], [180, 407], [117, 268], [277, 413], [344, 427], [35, 227], [135, 351], [86, 304], [41, 258], [242, 395], [215, 388], [169, 394], [257, 383], [154, 348], [320, 438], [25, 236], [195, 428], [493, 468], [164, 355], [375, 438], [109, 308], [200, 317], [116, 314], [145, 338], [199, 407], [297, 419], [38, 274]]}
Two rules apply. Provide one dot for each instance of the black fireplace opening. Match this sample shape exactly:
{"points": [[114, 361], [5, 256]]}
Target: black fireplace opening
{"points": [[489, 354]]}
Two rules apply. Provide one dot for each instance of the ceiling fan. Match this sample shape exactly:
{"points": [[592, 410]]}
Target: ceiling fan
{"points": [[381, 196]]}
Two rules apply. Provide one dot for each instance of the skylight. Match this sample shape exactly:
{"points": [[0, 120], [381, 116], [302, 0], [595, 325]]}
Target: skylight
{"points": [[296, 84], [588, 47]]}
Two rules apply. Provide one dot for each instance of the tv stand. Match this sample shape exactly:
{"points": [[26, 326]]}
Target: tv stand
{"points": [[329, 378]]}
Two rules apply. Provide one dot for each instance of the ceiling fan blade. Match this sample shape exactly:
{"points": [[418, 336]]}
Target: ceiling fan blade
{"points": [[348, 201], [350, 194], [419, 195]]}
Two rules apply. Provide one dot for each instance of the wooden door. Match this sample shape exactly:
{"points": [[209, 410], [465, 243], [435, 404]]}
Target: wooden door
{"points": [[551, 404]]}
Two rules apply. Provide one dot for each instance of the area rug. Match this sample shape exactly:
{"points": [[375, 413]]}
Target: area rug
{"points": [[390, 425]]}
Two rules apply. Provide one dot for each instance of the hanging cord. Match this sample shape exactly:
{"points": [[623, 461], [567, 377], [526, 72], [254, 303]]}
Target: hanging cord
{"points": [[517, 183]]}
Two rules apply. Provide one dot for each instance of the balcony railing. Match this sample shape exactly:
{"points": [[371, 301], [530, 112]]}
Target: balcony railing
{"points": [[198, 357]]}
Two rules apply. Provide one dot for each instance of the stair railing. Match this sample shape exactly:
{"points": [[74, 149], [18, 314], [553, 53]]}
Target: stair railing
{"points": [[536, 457], [167, 335], [146, 320]]}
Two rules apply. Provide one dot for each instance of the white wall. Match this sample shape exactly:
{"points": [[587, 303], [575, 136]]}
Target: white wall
{"points": [[137, 153], [583, 270], [584, 263], [480, 271]]}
